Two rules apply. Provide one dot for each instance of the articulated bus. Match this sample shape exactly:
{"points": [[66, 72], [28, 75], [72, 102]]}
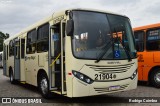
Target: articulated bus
{"points": [[148, 47], [74, 53]]}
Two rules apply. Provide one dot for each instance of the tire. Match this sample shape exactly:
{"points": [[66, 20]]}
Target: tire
{"points": [[155, 78], [12, 81], [43, 85]]}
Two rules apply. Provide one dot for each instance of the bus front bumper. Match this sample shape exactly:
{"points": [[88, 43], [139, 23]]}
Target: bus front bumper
{"points": [[81, 89]]}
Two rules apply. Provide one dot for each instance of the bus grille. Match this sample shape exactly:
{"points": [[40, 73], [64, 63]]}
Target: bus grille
{"points": [[107, 89], [111, 69]]}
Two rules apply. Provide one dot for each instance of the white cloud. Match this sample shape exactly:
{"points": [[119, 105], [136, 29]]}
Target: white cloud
{"points": [[18, 14]]}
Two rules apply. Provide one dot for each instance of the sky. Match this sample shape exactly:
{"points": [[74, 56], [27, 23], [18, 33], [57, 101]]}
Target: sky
{"points": [[16, 15]]}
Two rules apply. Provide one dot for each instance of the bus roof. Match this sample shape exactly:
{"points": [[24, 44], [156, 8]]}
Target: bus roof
{"points": [[147, 27], [97, 10], [56, 14]]}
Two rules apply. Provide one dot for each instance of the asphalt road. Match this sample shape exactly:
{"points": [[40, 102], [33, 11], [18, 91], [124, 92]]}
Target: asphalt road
{"points": [[20, 90]]}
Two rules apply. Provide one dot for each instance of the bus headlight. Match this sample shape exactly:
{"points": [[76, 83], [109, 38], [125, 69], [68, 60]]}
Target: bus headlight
{"points": [[82, 77], [133, 75]]}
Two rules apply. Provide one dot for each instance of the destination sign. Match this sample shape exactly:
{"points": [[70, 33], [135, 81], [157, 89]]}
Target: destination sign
{"points": [[153, 35]]}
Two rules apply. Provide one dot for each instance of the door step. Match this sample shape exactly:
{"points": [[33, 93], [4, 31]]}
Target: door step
{"points": [[55, 71], [57, 92]]}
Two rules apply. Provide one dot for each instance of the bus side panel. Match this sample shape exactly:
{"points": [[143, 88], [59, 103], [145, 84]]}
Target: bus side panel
{"points": [[146, 73], [22, 70], [152, 59], [140, 73], [34, 63], [69, 64], [10, 64], [31, 63], [156, 57], [148, 63], [140, 66]]}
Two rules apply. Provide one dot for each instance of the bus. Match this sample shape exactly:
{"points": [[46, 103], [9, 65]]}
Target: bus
{"points": [[148, 48], [74, 53], [1, 59]]}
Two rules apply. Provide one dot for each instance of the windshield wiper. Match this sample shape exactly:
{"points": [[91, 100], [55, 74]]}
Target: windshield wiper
{"points": [[105, 51], [126, 51]]}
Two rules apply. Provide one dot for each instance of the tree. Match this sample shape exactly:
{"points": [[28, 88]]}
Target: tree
{"points": [[2, 38]]}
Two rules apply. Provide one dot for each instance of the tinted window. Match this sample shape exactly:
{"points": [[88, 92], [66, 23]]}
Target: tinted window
{"points": [[139, 38], [31, 41], [32, 36], [17, 49], [153, 39], [43, 32], [11, 48], [22, 48], [43, 36], [97, 33]]}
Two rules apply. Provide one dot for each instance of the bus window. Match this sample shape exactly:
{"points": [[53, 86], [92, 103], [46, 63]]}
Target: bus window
{"points": [[153, 40], [56, 38], [11, 48], [43, 35], [22, 48], [31, 41], [17, 49], [139, 37]]}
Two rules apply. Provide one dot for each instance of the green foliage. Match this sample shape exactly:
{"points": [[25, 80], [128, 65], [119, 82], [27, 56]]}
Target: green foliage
{"points": [[2, 38]]}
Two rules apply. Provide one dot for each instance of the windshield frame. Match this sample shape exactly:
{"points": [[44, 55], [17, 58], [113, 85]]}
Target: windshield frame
{"points": [[129, 23]]}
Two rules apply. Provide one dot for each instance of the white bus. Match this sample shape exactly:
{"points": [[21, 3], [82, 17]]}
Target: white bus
{"points": [[1, 59], [75, 53]]}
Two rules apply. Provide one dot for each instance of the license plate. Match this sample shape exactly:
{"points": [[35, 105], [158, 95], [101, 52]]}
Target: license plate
{"points": [[113, 88]]}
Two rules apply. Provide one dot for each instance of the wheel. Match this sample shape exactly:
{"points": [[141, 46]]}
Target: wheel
{"points": [[155, 78], [43, 85], [12, 81]]}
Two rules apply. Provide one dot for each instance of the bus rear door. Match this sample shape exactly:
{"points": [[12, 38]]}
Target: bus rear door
{"points": [[17, 60]]}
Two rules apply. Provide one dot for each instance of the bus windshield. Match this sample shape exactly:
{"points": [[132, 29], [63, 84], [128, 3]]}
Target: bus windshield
{"points": [[99, 33]]}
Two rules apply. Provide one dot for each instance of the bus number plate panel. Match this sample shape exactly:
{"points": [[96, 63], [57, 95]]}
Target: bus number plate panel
{"points": [[105, 76]]}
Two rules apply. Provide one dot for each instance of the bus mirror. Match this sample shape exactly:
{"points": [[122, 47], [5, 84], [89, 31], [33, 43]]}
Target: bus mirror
{"points": [[69, 28]]}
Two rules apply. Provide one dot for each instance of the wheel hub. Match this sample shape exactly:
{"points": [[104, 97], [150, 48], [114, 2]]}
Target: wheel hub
{"points": [[44, 85], [11, 77], [157, 78]]}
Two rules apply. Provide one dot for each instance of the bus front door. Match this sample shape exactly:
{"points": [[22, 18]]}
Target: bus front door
{"points": [[57, 64]]}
